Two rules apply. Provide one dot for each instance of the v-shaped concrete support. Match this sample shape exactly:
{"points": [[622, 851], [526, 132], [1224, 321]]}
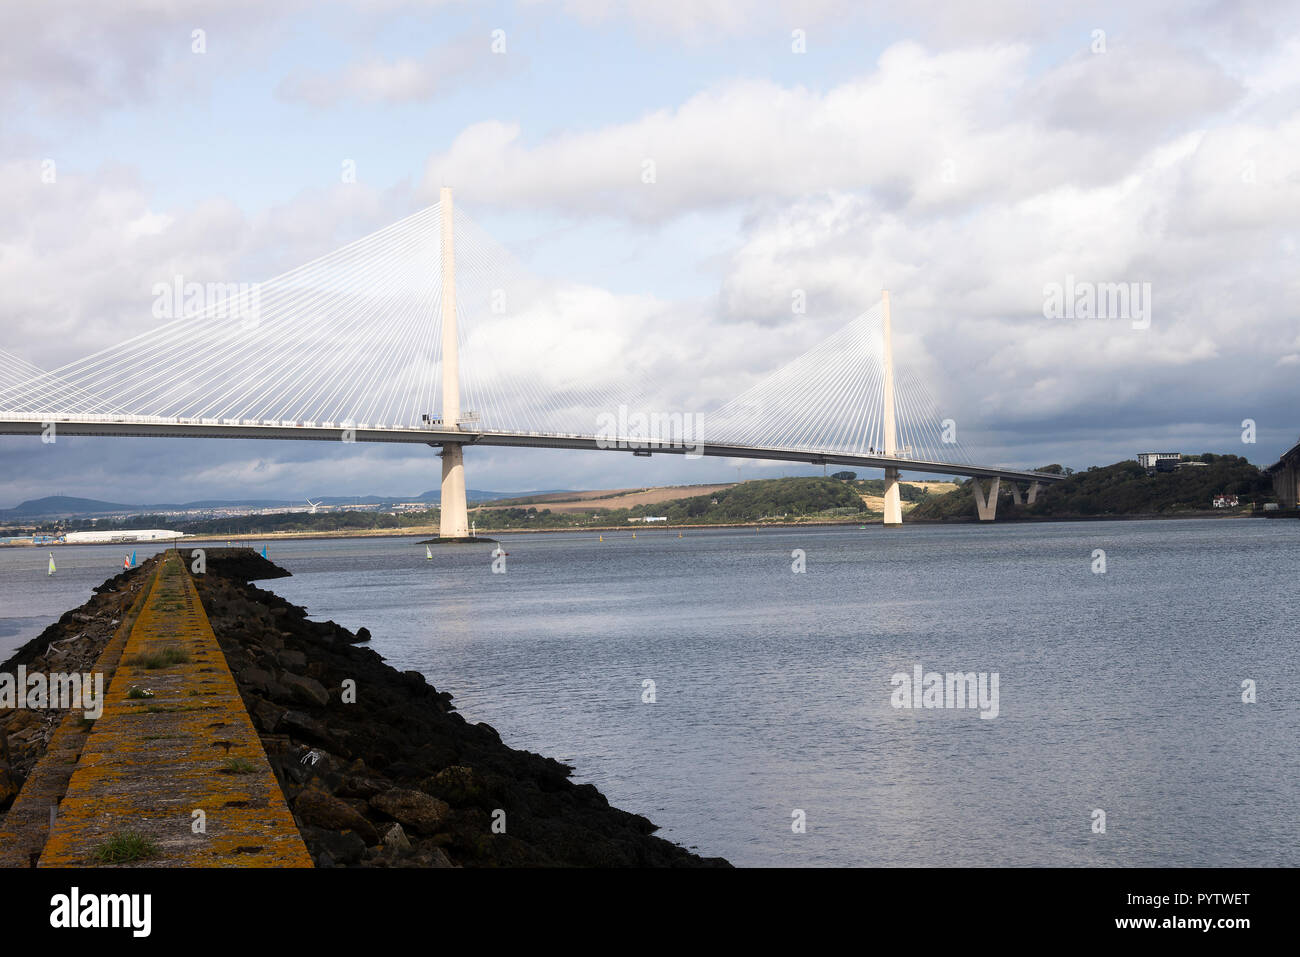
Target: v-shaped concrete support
{"points": [[986, 506]]}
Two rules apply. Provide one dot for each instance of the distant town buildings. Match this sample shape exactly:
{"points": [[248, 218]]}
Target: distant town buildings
{"points": [[1225, 501]]}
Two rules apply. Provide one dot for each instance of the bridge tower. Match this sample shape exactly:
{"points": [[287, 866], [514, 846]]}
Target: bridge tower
{"points": [[893, 499], [454, 514]]}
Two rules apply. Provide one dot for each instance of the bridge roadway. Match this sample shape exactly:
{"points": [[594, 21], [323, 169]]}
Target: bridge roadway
{"points": [[197, 428]]}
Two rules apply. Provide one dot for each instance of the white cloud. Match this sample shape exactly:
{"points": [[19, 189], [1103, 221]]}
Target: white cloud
{"points": [[403, 79], [80, 56], [79, 257], [925, 132]]}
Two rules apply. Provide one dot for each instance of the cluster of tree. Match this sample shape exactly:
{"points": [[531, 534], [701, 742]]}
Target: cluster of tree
{"points": [[789, 498], [528, 518], [1125, 488], [302, 522]]}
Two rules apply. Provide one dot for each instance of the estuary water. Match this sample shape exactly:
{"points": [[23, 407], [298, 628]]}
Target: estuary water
{"points": [[1120, 650]]}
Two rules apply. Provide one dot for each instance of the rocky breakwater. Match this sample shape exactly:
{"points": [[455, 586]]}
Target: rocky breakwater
{"points": [[72, 645], [379, 768]]}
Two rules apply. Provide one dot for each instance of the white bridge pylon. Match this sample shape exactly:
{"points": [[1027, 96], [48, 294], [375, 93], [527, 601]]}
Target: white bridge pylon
{"points": [[453, 510], [429, 332]]}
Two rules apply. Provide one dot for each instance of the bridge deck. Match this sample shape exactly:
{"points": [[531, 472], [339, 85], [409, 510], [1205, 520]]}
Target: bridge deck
{"points": [[191, 428]]}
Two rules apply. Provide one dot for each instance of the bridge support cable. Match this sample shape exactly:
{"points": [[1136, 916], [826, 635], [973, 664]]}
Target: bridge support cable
{"points": [[429, 330], [340, 340], [28, 389]]}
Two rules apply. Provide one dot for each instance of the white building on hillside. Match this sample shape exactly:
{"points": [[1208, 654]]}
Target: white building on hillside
{"points": [[1152, 460]]}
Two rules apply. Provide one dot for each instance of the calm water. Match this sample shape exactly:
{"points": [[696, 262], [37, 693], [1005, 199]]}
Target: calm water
{"points": [[31, 598], [1119, 691]]}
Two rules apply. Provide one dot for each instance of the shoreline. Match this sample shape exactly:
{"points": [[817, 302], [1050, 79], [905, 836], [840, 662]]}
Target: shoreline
{"points": [[377, 766], [422, 531]]}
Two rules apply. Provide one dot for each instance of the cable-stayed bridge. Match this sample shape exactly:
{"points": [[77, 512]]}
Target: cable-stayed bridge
{"points": [[428, 332]]}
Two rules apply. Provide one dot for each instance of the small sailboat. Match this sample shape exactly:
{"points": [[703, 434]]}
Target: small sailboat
{"points": [[634, 535], [428, 554], [126, 562], [264, 551], [52, 568], [133, 558], [679, 534], [602, 537]]}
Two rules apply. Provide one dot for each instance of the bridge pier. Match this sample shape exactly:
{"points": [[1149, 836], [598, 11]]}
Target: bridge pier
{"points": [[453, 511], [893, 499], [1020, 496], [893, 517], [986, 506]]}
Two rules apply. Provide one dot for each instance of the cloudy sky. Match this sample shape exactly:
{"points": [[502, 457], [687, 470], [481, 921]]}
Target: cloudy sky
{"points": [[965, 156]]}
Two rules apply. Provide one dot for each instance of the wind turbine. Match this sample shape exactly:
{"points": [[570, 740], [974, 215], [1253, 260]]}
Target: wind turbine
{"points": [[314, 505]]}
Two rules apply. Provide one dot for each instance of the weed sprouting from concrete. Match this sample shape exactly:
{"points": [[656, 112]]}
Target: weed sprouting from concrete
{"points": [[157, 658], [125, 847]]}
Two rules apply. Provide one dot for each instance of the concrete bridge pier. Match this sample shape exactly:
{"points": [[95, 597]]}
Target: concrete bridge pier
{"points": [[453, 513], [893, 499], [1021, 497], [986, 505]]}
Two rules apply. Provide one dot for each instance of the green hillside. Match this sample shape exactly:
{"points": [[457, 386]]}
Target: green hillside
{"points": [[772, 500], [1124, 488]]}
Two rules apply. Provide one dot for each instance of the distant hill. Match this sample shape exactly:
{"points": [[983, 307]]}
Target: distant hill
{"points": [[1122, 489], [478, 495], [53, 505], [771, 500], [66, 506]]}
